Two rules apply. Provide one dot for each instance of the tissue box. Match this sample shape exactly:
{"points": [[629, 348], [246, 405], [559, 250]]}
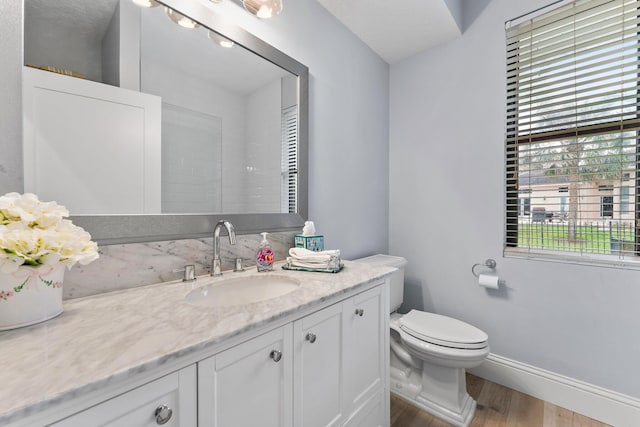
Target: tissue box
{"points": [[312, 243]]}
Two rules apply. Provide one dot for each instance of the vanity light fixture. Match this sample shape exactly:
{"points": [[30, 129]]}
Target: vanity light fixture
{"points": [[218, 39], [146, 3], [263, 8], [180, 19]]}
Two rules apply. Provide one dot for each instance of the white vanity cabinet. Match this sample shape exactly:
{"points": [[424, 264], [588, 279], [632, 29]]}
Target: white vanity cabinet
{"points": [[168, 401], [366, 349], [372, 413], [249, 384], [322, 366], [339, 357], [325, 369], [318, 368]]}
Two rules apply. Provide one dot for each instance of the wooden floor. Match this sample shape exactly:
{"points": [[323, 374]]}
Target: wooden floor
{"points": [[497, 406]]}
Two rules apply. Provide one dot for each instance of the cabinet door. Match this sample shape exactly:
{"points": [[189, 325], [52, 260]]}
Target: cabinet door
{"points": [[371, 413], [249, 384], [76, 131], [318, 344], [364, 354], [173, 397]]}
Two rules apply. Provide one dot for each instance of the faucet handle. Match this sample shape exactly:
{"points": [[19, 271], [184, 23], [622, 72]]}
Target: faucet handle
{"points": [[238, 265], [189, 273]]}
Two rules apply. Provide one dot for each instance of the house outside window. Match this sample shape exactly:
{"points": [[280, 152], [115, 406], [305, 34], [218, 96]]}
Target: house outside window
{"points": [[573, 125]]}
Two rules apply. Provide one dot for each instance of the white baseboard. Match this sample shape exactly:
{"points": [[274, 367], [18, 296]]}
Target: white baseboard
{"points": [[587, 399]]}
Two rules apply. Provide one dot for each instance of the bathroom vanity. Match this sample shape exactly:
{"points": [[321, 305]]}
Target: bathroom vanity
{"points": [[317, 356]]}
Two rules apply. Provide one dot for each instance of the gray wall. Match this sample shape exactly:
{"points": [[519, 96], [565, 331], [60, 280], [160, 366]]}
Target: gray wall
{"points": [[446, 213], [11, 104], [349, 116], [348, 129]]}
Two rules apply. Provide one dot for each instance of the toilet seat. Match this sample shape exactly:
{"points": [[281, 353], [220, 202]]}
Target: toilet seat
{"points": [[442, 330]]}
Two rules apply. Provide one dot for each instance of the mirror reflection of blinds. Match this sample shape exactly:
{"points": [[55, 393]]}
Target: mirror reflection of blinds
{"points": [[572, 130], [289, 159]]}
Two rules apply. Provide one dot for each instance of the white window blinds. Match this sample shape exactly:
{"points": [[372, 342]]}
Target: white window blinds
{"points": [[289, 184], [572, 130]]}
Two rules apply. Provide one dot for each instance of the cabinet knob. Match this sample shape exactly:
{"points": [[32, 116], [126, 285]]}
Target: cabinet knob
{"points": [[163, 414], [359, 312], [275, 355], [311, 337]]}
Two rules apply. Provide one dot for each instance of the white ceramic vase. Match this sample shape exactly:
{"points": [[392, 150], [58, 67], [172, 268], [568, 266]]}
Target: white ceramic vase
{"points": [[30, 295]]}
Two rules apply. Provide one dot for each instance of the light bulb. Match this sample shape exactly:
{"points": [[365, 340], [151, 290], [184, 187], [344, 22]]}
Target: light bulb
{"points": [[263, 8], [146, 3], [180, 19]]}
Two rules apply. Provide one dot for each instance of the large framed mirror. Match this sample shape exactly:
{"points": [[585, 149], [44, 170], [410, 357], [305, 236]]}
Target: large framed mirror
{"points": [[154, 123]]}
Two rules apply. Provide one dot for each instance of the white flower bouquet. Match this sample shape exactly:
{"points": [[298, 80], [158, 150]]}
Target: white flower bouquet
{"points": [[35, 233]]}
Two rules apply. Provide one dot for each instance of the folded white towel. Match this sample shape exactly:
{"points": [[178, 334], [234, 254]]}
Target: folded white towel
{"points": [[305, 255], [332, 264], [311, 265]]}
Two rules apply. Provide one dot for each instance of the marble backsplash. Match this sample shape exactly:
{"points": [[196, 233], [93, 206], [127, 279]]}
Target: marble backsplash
{"points": [[139, 264]]}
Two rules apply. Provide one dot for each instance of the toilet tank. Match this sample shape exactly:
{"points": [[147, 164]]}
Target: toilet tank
{"points": [[396, 288]]}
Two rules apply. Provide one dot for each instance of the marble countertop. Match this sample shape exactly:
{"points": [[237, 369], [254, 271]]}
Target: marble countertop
{"points": [[104, 338]]}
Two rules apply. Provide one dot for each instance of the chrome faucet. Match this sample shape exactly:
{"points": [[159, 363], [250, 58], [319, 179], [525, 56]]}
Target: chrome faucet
{"points": [[215, 266]]}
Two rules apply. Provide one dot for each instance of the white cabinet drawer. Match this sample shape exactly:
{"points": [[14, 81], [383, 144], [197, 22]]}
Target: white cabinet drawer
{"points": [[137, 408]]}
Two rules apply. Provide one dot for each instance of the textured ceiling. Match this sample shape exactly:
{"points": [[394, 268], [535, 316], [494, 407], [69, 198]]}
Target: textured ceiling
{"points": [[82, 18]]}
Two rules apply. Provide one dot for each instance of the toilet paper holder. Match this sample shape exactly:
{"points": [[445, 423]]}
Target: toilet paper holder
{"points": [[489, 263]]}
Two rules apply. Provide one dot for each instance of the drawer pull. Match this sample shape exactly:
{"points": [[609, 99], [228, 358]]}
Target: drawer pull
{"points": [[359, 312], [311, 337], [275, 355], [163, 414]]}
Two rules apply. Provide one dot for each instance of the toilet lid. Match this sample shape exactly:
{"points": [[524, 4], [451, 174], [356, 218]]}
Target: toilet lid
{"points": [[442, 330]]}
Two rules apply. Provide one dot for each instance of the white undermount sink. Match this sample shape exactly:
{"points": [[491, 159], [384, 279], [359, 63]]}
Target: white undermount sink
{"points": [[242, 290]]}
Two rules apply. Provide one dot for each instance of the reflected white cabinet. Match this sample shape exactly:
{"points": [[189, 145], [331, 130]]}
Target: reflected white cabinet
{"points": [[249, 384], [169, 401], [78, 132]]}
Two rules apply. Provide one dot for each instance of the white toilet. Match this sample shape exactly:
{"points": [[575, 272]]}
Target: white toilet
{"points": [[429, 354]]}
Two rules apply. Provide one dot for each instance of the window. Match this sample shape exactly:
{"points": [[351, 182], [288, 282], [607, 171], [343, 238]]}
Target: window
{"points": [[606, 206], [525, 206], [289, 163], [624, 200], [573, 122], [563, 205]]}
